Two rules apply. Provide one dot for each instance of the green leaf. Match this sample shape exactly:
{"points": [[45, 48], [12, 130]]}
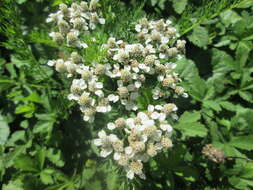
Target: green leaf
{"points": [[179, 5], [46, 176], [242, 142], [41, 156], [16, 137], [27, 110], [248, 96], [4, 130], [242, 53], [199, 36], [245, 4], [21, 1], [14, 185], [212, 104], [189, 126], [55, 157], [229, 17], [26, 163], [190, 117], [43, 127]]}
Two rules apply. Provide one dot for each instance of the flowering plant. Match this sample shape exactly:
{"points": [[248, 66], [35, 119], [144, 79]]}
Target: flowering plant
{"points": [[120, 79]]}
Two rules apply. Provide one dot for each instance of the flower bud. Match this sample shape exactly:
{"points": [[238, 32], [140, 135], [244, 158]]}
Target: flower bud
{"points": [[213, 154], [125, 76], [64, 9], [166, 142], [149, 60], [71, 68], [100, 69], [76, 58], [58, 38], [84, 6], [123, 92], [60, 66], [168, 81], [172, 52], [179, 90], [63, 26], [78, 23], [136, 167], [86, 75], [151, 151], [72, 38]]}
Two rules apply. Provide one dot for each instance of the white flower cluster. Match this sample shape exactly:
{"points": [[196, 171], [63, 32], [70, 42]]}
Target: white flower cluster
{"points": [[74, 21], [154, 55], [130, 69], [144, 136], [87, 91]]}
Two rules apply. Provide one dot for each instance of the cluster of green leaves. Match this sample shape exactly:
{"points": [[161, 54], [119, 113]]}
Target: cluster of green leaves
{"points": [[44, 144]]}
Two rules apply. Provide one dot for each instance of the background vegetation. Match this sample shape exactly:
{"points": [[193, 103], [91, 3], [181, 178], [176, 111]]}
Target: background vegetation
{"points": [[44, 144]]}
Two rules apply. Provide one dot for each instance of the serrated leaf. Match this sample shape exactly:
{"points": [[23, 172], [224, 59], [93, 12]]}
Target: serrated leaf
{"points": [[199, 36], [189, 126], [179, 5], [242, 142], [190, 117], [194, 129]]}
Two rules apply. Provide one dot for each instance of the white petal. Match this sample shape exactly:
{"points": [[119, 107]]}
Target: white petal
{"points": [[148, 122], [162, 117], [130, 122], [166, 127], [99, 93], [142, 176], [130, 174], [97, 142], [99, 85], [86, 118], [151, 108], [128, 150], [137, 84], [101, 21], [143, 116], [158, 107], [51, 63], [106, 152], [155, 115], [83, 45], [111, 126], [116, 156], [102, 134], [113, 138]]}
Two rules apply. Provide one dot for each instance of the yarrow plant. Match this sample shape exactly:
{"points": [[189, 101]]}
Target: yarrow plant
{"points": [[119, 80]]}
